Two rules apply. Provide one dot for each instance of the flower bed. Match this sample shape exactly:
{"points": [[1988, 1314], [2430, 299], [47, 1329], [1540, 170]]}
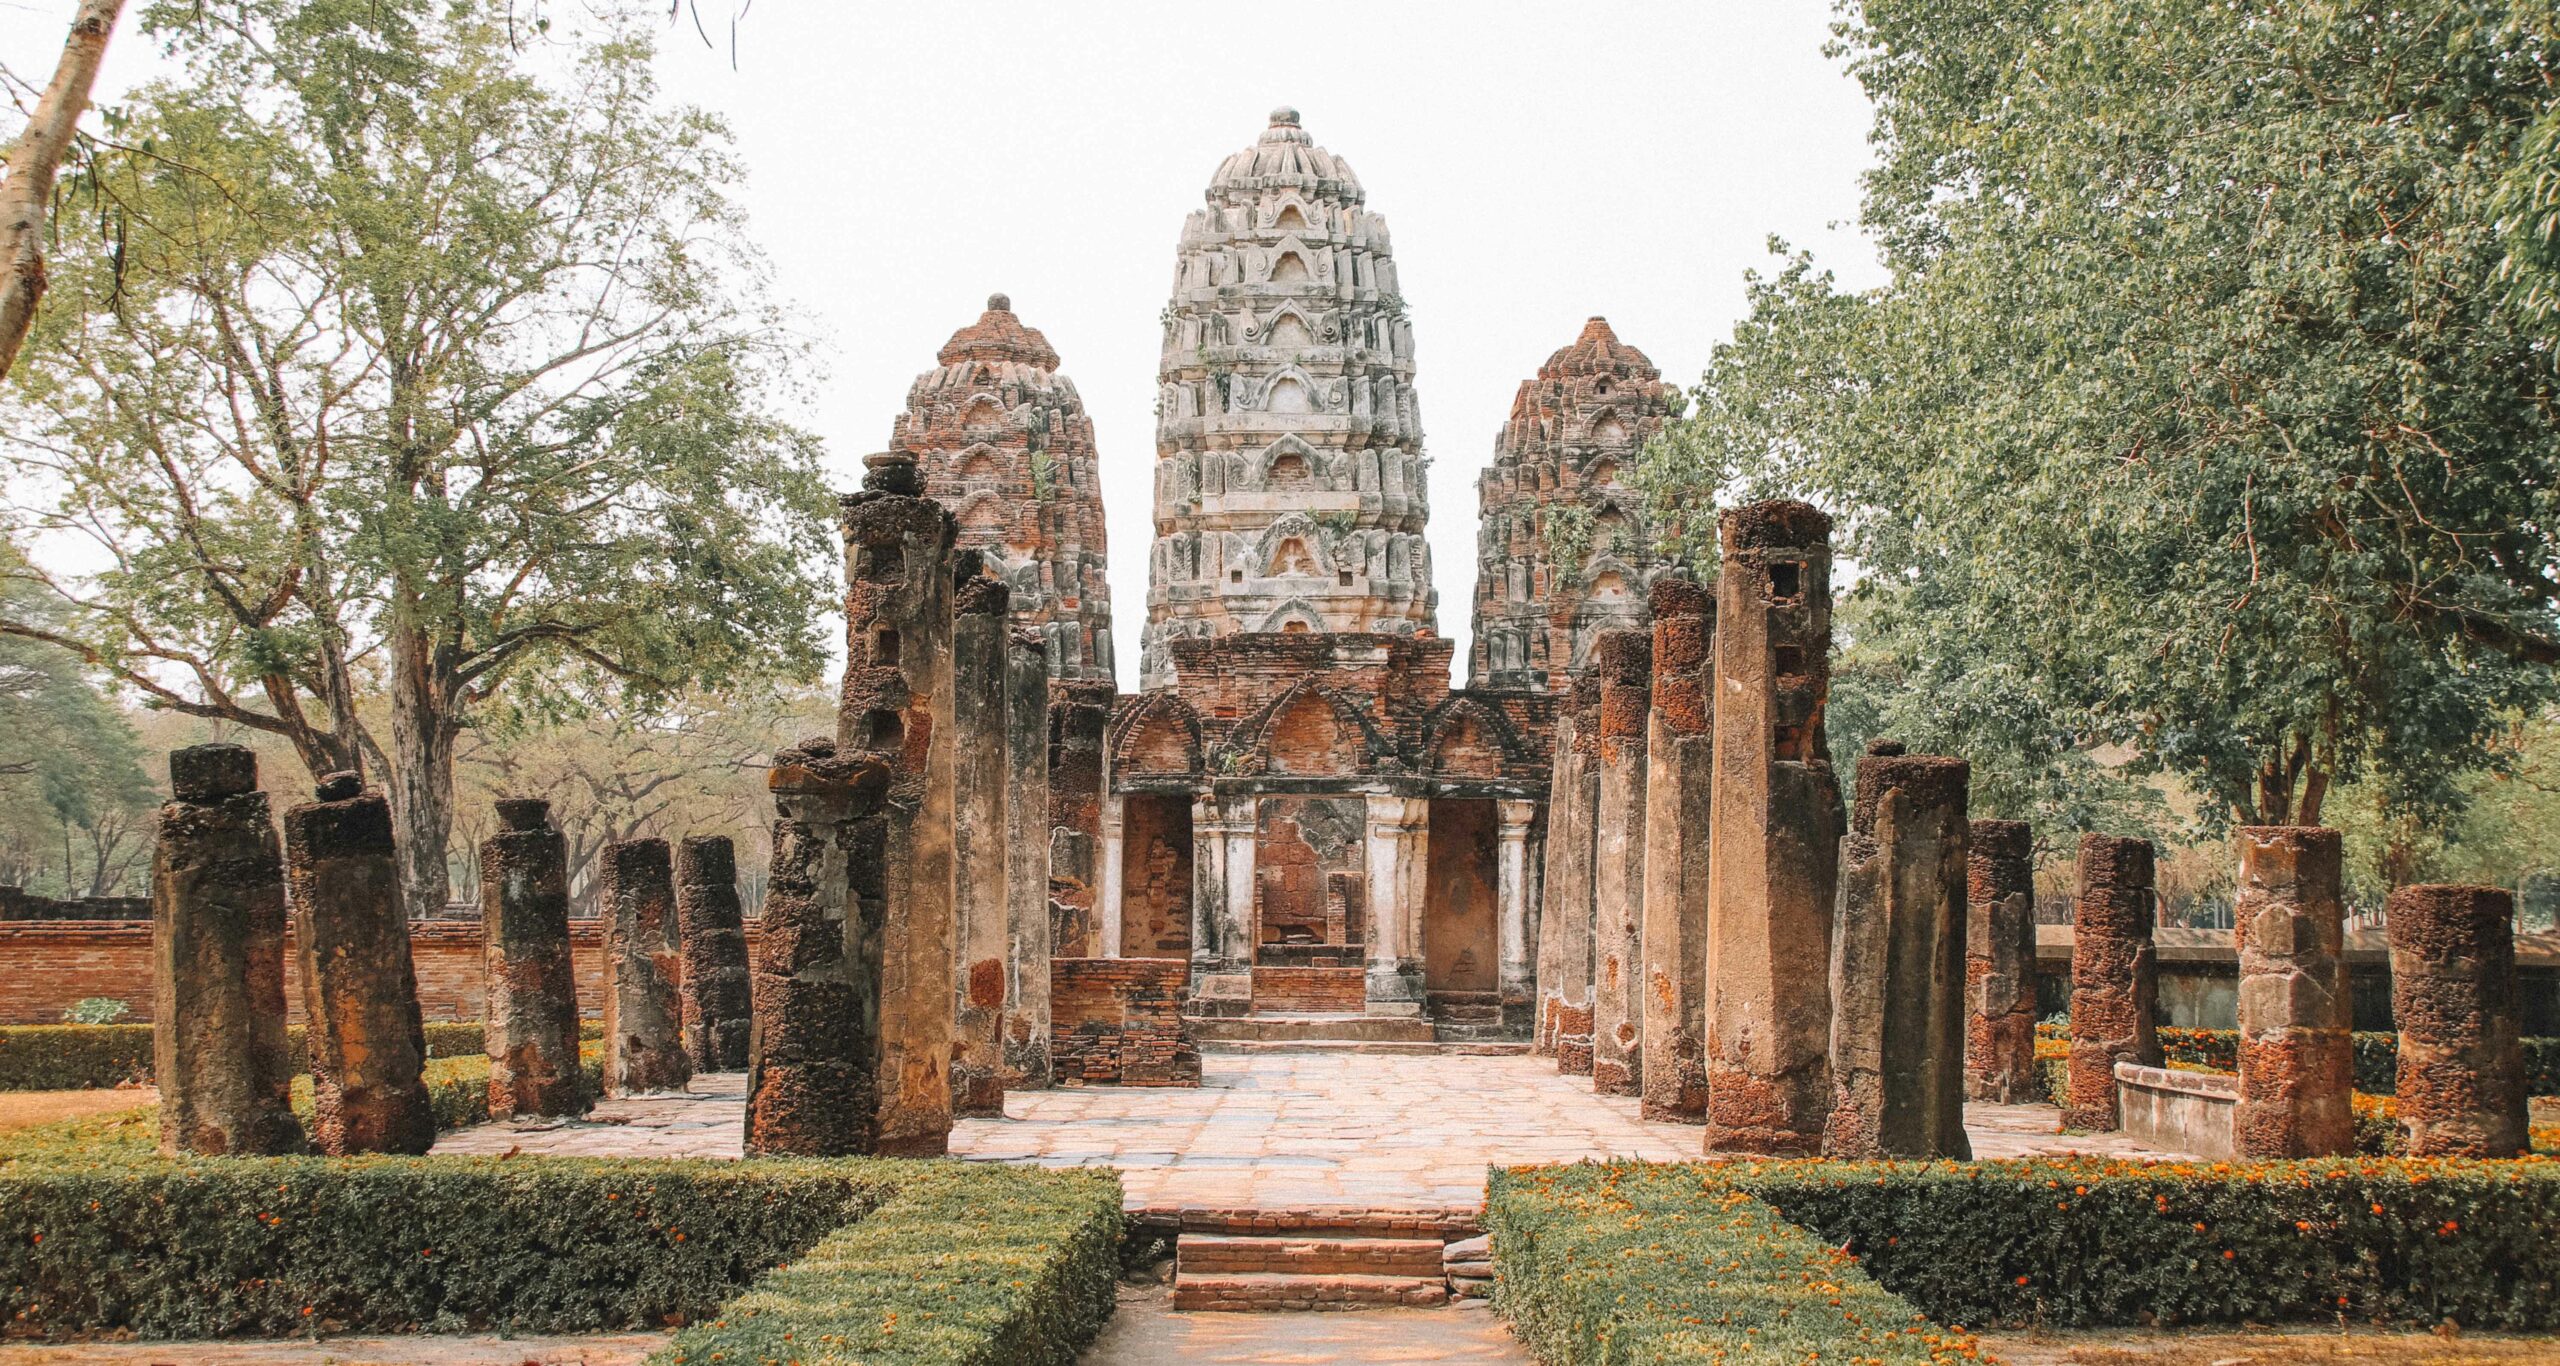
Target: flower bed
{"points": [[83, 1057], [2377, 1056]]}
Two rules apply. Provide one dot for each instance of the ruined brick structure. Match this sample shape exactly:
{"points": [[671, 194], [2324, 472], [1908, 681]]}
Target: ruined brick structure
{"points": [[813, 1066], [1118, 1022], [1679, 793], [1565, 924], [1079, 714], [643, 965], [718, 1010], [2000, 964], [367, 1042], [1027, 839], [982, 888], [532, 1021], [1558, 489], [2297, 1063], [2115, 977], [1289, 491], [1624, 665], [217, 963], [1775, 836], [1004, 443], [2453, 990], [1897, 962]]}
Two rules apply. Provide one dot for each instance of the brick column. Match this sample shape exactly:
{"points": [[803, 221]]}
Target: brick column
{"points": [[1679, 792], [1897, 962], [897, 710], [2115, 977], [813, 1065], [367, 1042], [982, 889], [1519, 981], [217, 963], [1565, 930], [2297, 1063], [1026, 867], [1080, 870], [643, 1009], [531, 1025], [1775, 836], [1222, 835], [2000, 964], [718, 1003], [1624, 664], [1399, 849], [2453, 991]]}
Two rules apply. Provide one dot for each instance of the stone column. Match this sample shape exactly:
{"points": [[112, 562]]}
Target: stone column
{"points": [[2297, 1063], [982, 896], [813, 1065], [2454, 993], [1519, 980], [1565, 929], [1775, 836], [1222, 835], [2000, 964], [1026, 866], [1399, 848], [1678, 793], [643, 1004], [2115, 977], [217, 963], [1624, 664], [1105, 917], [719, 1008], [1897, 962], [367, 1043], [897, 711], [1080, 871], [531, 1024]]}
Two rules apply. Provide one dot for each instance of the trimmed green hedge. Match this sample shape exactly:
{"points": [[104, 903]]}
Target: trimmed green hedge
{"points": [[88, 1057], [968, 1265], [1601, 1264]]}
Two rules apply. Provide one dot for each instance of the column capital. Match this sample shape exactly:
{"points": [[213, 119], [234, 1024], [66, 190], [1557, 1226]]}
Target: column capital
{"points": [[1516, 816]]}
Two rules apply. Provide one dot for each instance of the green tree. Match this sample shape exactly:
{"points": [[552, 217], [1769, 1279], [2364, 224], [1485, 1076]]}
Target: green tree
{"points": [[2193, 405], [73, 794], [426, 353]]}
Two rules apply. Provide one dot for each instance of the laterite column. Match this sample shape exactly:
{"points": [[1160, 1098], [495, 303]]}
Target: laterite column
{"points": [[2297, 1061], [1079, 864], [2000, 964], [813, 1066], [643, 1007], [531, 1024], [982, 890], [1026, 869], [2454, 994], [2115, 977], [217, 963], [719, 1010], [1625, 669], [1565, 930], [367, 1042], [1679, 793]]}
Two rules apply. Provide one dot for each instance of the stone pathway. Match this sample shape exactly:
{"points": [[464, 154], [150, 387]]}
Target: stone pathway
{"points": [[1148, 1332], [706, 1119], [2007, 1131]]}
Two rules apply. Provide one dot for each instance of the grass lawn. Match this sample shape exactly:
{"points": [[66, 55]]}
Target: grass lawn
{"points": [[2267, 1347], [25, 1109]]}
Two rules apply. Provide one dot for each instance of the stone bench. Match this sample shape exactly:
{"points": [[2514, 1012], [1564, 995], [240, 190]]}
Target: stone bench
{"points": [[2178, 1112]]}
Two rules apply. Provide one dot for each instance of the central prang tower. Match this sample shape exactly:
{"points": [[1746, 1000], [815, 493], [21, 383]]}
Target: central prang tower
{"points": [[1290, 493]]}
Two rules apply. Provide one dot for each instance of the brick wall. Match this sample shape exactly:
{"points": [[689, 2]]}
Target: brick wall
{"points": [[49, 965], [1119, 1021], [1311, 991], [17, 903]]}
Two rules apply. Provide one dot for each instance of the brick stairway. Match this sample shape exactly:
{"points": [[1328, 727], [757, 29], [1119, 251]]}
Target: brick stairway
{"points": [[1316, 1258]]}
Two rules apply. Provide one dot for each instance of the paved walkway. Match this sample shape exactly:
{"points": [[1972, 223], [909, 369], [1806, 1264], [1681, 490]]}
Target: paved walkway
{"points": [[706, 1119], [1147, 1332]]}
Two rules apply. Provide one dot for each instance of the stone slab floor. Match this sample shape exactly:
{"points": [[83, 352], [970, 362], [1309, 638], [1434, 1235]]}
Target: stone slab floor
{"points": [[1146, 1331]]}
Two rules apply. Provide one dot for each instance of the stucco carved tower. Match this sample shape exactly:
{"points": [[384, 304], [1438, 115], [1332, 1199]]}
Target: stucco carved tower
{"points": [[1559, 488], [1004, 443], [1289, 474]]}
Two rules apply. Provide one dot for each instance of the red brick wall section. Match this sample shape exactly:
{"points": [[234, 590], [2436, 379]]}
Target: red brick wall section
{"points": [[50, 965], [1310, 991], [1118, 1021]]}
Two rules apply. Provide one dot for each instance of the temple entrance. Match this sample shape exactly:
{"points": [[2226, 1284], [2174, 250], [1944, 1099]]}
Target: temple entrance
{"points": [[1461, 928], [1155, 876], [1310, 903]]}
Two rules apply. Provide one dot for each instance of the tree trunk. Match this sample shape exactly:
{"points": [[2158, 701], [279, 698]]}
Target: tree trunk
{"points": [[27, 194], [420, 780]]}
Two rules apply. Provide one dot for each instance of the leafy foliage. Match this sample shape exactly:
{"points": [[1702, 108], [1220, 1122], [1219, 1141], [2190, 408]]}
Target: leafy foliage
{"points": [[75, 804]]}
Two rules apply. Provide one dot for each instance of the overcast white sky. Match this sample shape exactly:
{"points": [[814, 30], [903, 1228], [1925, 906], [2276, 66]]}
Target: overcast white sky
{"points": [[1539, 163]]}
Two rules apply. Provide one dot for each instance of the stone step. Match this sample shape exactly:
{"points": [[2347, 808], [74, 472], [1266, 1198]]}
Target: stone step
{"points": [[1252, 1293], [1433, 1223], [1310, 1028], [1450, 1048], [1218, 1254]]}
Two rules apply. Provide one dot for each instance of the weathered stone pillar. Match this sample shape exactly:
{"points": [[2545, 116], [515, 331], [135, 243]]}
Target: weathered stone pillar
{"points": [[1565, 929], [1623, 660], [1678, 793], [217, 963], [643, 1005], [1106, 913], [1222, 835], [813, 1066], [531, 1025], [1399, 849], [982, 894], [1775, 841], [1079, 868], [1897, 962], [2000, 964], [2115, 977], [1026, 867], [1513, 888], [2297, 1063], [897, 709], [719, 1009], [367, 1043], [2454, 994]]}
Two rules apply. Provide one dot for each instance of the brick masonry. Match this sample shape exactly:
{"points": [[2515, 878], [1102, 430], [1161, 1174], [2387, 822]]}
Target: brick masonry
{"points": [[1309, 991], [1118, 1021]]}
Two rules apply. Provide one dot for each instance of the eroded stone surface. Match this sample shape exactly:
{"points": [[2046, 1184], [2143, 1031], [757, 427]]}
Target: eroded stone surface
{"points": [[719, 1014], [813, 1068], [1897, 962], [1028, 924], [2454, 995], [531, 1026], [643, 1009], [1624, 666], [367, 1041], [1566, 928], [982, 885], [1679, 794], [2297, 1062], [2000, 963], [2115, 976]]}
